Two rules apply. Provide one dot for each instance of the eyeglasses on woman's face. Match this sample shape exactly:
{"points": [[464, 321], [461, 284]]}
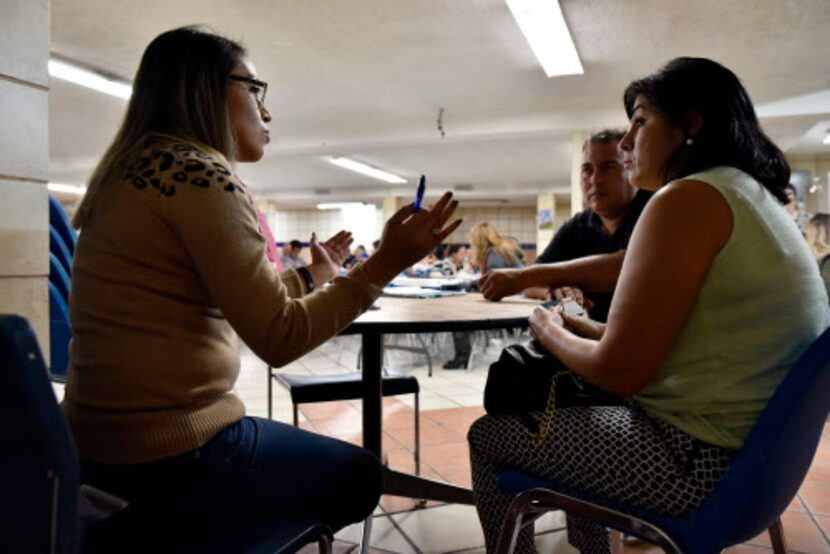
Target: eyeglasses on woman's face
{"points": [[255, 86]]}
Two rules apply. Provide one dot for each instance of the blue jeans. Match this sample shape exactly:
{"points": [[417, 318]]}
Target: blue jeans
{"points": [[252, 469]]}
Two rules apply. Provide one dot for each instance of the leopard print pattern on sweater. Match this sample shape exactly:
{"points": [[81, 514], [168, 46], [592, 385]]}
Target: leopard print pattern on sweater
{"points": [[164, 166]]}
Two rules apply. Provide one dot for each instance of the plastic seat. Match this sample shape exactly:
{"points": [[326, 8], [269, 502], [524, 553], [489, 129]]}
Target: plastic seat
{"points": [[60, 221], [60, 333], [58, 248], [40, 469], [345, 386], [758, 486]]}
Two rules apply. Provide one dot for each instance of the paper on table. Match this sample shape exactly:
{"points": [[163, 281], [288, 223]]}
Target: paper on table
{"points": [[419, 292]]}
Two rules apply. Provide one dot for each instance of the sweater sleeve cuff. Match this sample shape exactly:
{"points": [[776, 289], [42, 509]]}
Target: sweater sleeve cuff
{"points": [[359, 276], [293, 282]]}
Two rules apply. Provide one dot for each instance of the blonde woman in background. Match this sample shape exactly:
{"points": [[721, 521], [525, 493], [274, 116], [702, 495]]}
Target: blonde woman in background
{"points": [[489, 251], [492, 251]]}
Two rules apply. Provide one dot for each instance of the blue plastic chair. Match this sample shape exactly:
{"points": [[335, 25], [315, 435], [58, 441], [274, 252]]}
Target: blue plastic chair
{"points": [[58, 248], [39, 466], [60, 221], [39, 469], [60, 333], [59, 277], [758, 486]]}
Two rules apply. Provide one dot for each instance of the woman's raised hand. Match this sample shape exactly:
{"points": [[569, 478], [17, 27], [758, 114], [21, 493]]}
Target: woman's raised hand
{"points": [[328, 257], [410, 235]]}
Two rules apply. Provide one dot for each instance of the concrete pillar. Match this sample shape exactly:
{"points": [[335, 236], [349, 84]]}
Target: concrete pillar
{"points": [[545, 220], [24, 163]]}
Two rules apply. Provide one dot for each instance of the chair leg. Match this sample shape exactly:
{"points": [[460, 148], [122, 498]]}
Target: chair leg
{"points": [[776, 535], [417, 436], [324, 545], [511, 527], [366, 536], [426, 353], [296, 415], [270, 394]]}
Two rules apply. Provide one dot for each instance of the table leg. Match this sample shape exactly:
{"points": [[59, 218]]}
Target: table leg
{"points": [[372, 399], [394, 482]]}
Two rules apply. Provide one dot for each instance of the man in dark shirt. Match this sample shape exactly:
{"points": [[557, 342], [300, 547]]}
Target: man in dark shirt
{"points": [[597, 236]]}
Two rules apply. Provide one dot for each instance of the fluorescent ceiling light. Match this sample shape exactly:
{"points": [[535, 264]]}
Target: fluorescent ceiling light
{"points": [[364, 169], [826, 138], [69, 189], [89, 79], [544, 27], [339, 205]]}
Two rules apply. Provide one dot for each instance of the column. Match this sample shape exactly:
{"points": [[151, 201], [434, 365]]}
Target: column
{"points": [[24, 163]]}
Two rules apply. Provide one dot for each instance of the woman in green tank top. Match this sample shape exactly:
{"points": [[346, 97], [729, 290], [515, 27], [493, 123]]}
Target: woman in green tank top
{"points": [[697, 340]]}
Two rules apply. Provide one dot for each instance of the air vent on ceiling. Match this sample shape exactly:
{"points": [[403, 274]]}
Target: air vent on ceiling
{"points": [[463, 187], [322, 192]]}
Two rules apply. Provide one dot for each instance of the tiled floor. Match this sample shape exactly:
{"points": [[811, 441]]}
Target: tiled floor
{"points": [[450, 401]]}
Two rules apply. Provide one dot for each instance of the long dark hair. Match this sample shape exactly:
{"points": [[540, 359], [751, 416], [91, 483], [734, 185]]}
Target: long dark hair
{"points": [[730, 134], [181, 90]]}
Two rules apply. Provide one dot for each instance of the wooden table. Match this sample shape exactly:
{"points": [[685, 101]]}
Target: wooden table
{"points": [[470, 312]]}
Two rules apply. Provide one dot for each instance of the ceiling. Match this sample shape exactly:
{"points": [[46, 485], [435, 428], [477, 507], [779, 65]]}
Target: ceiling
{"points": [[366, 79]]}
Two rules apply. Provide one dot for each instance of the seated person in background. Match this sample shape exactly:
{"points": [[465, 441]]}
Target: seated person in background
{"points": [[614, 205], [490, 251], [817, 234], [170, 270], [291, 258], [717, 298], [455, 261]]}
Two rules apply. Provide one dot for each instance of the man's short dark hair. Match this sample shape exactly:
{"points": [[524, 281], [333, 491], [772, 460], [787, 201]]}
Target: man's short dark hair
{"points": [[606, 136], [296, 244]]}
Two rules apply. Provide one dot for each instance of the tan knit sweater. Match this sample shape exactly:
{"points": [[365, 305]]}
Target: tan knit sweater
{"points": [[169, 268]]}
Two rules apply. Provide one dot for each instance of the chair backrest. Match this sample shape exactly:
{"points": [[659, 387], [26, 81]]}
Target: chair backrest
{"points": [[39, 465], [60, 333], [59, 277], [58, 248], [768, 470], [60, 221]]}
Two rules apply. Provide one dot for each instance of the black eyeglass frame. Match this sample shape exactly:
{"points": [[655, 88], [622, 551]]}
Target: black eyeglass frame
{"points": [[259, 97]]}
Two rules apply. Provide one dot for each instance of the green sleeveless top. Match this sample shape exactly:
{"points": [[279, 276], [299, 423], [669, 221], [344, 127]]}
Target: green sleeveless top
{"points": [[761, 305]]}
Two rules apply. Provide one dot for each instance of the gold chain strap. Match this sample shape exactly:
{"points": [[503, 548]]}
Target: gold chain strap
{"points": [[550, 411]]}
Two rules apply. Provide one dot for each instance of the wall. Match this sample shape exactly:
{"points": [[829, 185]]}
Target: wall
{"points": [[24, 162], [818, 166], [365, 224]]}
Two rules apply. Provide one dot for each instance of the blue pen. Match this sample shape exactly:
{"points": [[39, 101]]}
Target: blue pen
{"points": [[419, 195]]}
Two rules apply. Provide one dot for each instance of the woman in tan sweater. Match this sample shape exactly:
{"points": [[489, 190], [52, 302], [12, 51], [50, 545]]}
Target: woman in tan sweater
{"points": [[172, 265]]}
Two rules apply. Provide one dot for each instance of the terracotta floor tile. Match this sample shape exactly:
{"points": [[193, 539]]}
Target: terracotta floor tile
{"points": [[801, 535], [339, 426], [328, 410], [454, 415], [824, 523], [819, 473], [446, 455], [796, 506], [402, 418], [747, 549], [431, 434], [308, 426], [816, 497], [461, 476], [401, 459]]}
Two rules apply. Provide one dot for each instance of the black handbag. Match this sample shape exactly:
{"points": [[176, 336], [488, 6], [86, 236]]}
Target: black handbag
{"points": [[529, 379]]}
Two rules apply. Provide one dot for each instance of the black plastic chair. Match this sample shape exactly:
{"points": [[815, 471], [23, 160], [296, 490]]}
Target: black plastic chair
{"points": [[760, 483], [306, 389], [39, 469]]}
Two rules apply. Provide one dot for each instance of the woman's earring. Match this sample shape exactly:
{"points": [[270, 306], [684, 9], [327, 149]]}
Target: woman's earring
{"points": [[689, 141]]}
